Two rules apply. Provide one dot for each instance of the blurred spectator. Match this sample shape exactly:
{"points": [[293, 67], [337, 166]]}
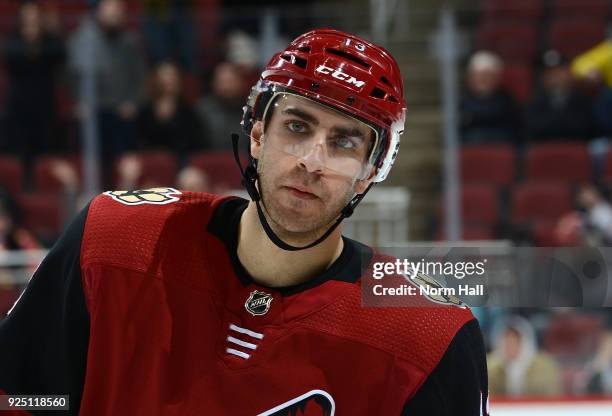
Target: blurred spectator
{"points": [[516, 367], [168, 122], [595, 64], [595, 67], [66, 175], [559, 110], [194, 180], [119, 67], [168, 27], [12, 235], [591, 224], [33, 57], [600, 380], [243, 50], [488, 112], [602, 111], [598, 212], [129, 171], [221, 110]]}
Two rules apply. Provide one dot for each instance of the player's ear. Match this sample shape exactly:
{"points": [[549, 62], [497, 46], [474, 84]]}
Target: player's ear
{"points": [[362, 184], [256, 137]]}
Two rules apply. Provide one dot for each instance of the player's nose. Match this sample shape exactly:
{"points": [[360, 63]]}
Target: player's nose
{"points": [[313, 156]]}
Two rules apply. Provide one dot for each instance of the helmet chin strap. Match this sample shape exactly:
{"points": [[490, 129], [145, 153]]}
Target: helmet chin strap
{"points": [[249, 178]]}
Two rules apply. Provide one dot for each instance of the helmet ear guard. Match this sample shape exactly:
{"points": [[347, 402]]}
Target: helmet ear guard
{"points": [[258, 99]]}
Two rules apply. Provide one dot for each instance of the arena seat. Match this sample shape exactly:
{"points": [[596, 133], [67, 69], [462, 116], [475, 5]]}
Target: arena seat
{"points": [[536, 208], [471, 232], [544, 233], [607, 169], [574, 36], [8, 13], [540, 201], [573, 336], [559, 161], [220, 167], [42, 214], [525, 10], [518, 81], [479, 212], [479, 204], [8, 296], [512, 41], [492, 164], [70, 12], [44, 178], [159, 168], [581, 8]]}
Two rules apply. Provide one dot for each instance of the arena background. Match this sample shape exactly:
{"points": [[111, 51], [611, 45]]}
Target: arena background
{"points": [[503, 149]]}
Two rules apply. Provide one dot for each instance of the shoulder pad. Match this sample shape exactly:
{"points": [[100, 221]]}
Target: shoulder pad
{"points": [[419, 334], [132, 228]]}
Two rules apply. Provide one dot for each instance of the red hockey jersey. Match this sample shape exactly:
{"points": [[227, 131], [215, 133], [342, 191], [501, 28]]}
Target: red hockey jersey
{"points": [[143, 308]]}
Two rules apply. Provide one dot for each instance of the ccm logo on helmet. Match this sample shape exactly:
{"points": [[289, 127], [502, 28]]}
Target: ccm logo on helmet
{"points": [[336, 73]]}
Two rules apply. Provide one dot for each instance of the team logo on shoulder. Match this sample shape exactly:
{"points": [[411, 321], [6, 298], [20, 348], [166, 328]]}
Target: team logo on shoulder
{"points": [[313, 403], [258, 303], [155, 196], [443, 298]]}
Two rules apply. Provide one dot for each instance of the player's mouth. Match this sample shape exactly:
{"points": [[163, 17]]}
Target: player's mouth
{"points": [[301, 192]]}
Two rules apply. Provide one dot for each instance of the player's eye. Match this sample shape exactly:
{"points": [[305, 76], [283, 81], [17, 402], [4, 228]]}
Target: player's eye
{"points": [[296, 126], [345, 143]]}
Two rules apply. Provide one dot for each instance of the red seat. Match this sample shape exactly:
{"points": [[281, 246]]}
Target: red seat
{"points": [[11, 174], [8, 296], [44, 178], [513, 42], [493, 164], [70, 12], [220, 167], [560, 161], [575, 36], [573, 336], [159, 168], [518, 81], [479, 212], [479, 204], [43, 213], [8, 14], [544, 234], [582, 8], [607, 173], [516, 9], [477, 232], [207, 21], [540, 202], [472, 233]]}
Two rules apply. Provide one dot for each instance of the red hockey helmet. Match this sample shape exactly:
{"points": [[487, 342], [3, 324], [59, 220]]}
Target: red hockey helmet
{"points": [[346, 73]]}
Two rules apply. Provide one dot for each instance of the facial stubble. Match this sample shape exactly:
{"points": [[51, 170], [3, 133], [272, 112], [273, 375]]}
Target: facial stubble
{"points": [[293, 227]]}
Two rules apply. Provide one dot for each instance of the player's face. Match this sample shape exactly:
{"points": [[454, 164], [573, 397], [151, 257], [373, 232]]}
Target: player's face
{"points": [[311, 160]]}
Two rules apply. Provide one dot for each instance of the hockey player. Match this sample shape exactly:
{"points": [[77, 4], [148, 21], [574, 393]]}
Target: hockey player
{"points": [[161, 302]]}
